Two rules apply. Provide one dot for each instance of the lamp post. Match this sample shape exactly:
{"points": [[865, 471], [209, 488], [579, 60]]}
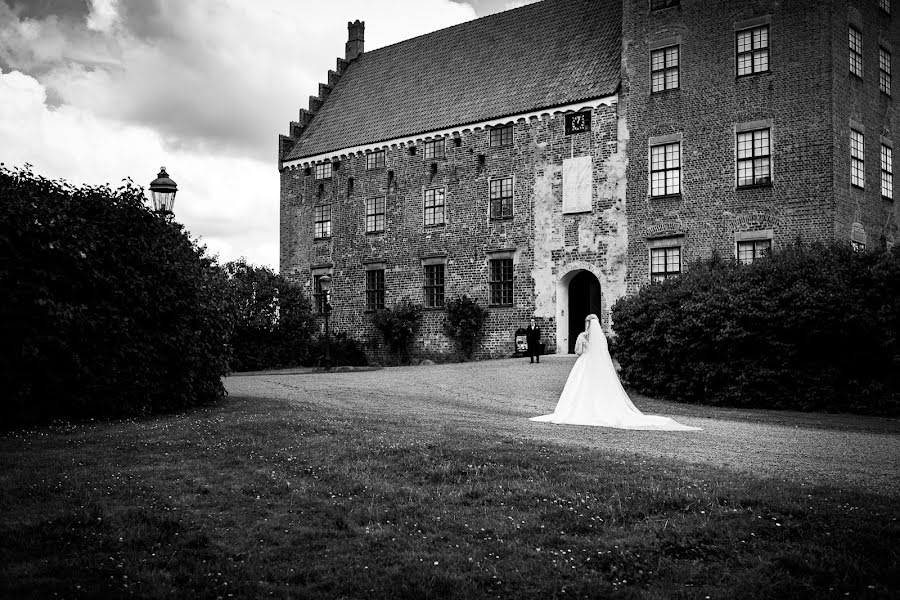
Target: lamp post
{"points": [[162, 192], [325, 286]]}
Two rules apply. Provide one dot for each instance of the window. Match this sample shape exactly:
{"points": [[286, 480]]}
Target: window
{"points": [[664, 69], [665, 263], [434, 286], [434, 207], [857, 246], [323, 171], [322, 221], [884, 71], [375, 214], [375, 159], [319, 297], [887, 171], [753, 166], [665, 169], [501, 198], [501, 136], [750, 250], [501, 282], [374, 289], [885, 5], [856, 64], [658, 4], [434, 149], [857, 161], [753, 51]]}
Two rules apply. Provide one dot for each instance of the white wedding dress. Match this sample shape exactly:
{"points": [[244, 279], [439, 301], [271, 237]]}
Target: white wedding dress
{"points": [[594, 396]]}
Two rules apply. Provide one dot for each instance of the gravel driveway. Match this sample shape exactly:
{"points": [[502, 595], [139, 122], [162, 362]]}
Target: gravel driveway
{"points": [[497, 397]]}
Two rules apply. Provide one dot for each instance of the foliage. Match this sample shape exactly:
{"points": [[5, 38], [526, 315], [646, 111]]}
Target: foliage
{"points": [[107, 308], [344, 351], [273, 319], [465, 323], [398, 326], [812, 327]]}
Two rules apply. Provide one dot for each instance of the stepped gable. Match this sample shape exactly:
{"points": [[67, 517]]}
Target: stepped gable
{"points": [[542, 55]]}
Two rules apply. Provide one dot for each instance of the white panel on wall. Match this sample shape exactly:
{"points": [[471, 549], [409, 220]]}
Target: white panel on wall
{"points": [[577, 184]]}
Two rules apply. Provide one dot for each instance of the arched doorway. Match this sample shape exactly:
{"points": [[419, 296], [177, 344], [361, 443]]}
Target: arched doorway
{"points": [[584, 299]]}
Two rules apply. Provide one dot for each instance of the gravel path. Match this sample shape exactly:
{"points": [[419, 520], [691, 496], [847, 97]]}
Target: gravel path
{"points": [[497, 397]]}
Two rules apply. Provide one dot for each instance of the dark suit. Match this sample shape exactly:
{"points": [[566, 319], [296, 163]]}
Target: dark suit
{"points": [[533, 337]]}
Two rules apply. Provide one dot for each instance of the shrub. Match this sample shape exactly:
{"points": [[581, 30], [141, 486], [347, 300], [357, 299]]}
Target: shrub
{"points": [[344, 351], [273, 319], [812, 327], [107, 308], [398, 326], [465, 323]]}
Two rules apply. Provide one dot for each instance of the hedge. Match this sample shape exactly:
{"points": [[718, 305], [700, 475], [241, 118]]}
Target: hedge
{"points": [[811, 327], [107, 308]]}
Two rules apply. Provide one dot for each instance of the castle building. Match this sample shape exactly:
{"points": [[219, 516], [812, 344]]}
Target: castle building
{"points": [[550, 159]]}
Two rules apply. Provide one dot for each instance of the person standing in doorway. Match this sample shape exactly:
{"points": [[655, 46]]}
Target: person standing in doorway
{"points": [[533, 337]]}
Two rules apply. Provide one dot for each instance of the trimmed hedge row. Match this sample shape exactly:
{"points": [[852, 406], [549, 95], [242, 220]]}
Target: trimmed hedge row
{"points": [[811, 327], [107, 309]]}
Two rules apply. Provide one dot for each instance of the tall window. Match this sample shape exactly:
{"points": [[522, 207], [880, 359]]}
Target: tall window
{"points": [[375, 289], [887, 172], [434, 149], [501, 136], [375, 214], [753, 50], [856, 64], [665, 263], [434, 286], [665, 169], [857, 160], [658, 4], [319, 296], [501, 282], [434, 207], [884, 71], [322, 220], [753, 166], [501, 198], [323, 171], [375, 159], [751, 250], [885, 5], [664, 69]]}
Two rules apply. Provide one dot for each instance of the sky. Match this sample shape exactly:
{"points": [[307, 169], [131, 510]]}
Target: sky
{"points": [[94, 91]]}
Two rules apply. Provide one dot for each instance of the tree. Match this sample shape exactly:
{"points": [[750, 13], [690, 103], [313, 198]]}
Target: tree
{"points": [[465, 323], [398, 326]]}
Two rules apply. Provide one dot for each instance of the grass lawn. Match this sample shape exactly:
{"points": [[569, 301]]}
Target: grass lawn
{"points": [[259, 498]]}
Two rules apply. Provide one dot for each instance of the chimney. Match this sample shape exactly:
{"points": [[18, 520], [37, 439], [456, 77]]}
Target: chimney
{"points": [[356, 34]]}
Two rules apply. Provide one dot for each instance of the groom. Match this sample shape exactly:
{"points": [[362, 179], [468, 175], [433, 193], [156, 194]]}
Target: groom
{"points": [[533, 337]]}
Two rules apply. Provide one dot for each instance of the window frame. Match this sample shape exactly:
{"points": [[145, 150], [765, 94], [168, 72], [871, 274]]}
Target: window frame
{"points": [[665, 170], [320, 231], [754, 157], [375, 160], [499, 285], [856, 54], [319, 296], [885, 5], [660, 276], [884, 74], [320, 171], [887, 171], [434, 207], [500, 136], [433, 285], [753, 51], [857, 159], [373, 214], [665, 69], [500, 197], [375, 287], [434, 149], [756, 253]]}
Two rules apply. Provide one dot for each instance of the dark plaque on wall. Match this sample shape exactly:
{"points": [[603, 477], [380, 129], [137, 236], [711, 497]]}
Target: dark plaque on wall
{"points": [[578, 122]]}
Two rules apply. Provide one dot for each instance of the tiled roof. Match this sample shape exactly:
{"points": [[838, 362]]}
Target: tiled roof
{"points": [[542, 55]]}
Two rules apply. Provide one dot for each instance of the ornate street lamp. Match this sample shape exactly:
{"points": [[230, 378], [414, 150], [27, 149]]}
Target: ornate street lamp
{"points": [[162, 192], [325, 286]]}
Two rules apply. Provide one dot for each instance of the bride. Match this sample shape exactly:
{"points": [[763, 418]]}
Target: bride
{"points": [[593, 394]]}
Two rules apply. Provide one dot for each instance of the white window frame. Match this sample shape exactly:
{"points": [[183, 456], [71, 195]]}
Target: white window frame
{"points": [[856, 51], [323, 170], [884, 70], [666, 168], [665, 245], [887, 171], [857, 159], [752, 237], [756, 48], [665, 68]]}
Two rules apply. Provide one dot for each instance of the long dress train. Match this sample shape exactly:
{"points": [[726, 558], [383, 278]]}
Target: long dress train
{"points": [[593, 394]]}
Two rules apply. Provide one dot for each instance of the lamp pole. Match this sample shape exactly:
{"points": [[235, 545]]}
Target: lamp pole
{"points": [[325, 286], [162, 192]]}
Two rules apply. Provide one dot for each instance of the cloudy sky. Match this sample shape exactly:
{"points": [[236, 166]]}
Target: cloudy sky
{"points": [[93, 91]]}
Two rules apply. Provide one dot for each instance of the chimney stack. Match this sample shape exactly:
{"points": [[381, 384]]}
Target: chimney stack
{"points": [[356, 34]]}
